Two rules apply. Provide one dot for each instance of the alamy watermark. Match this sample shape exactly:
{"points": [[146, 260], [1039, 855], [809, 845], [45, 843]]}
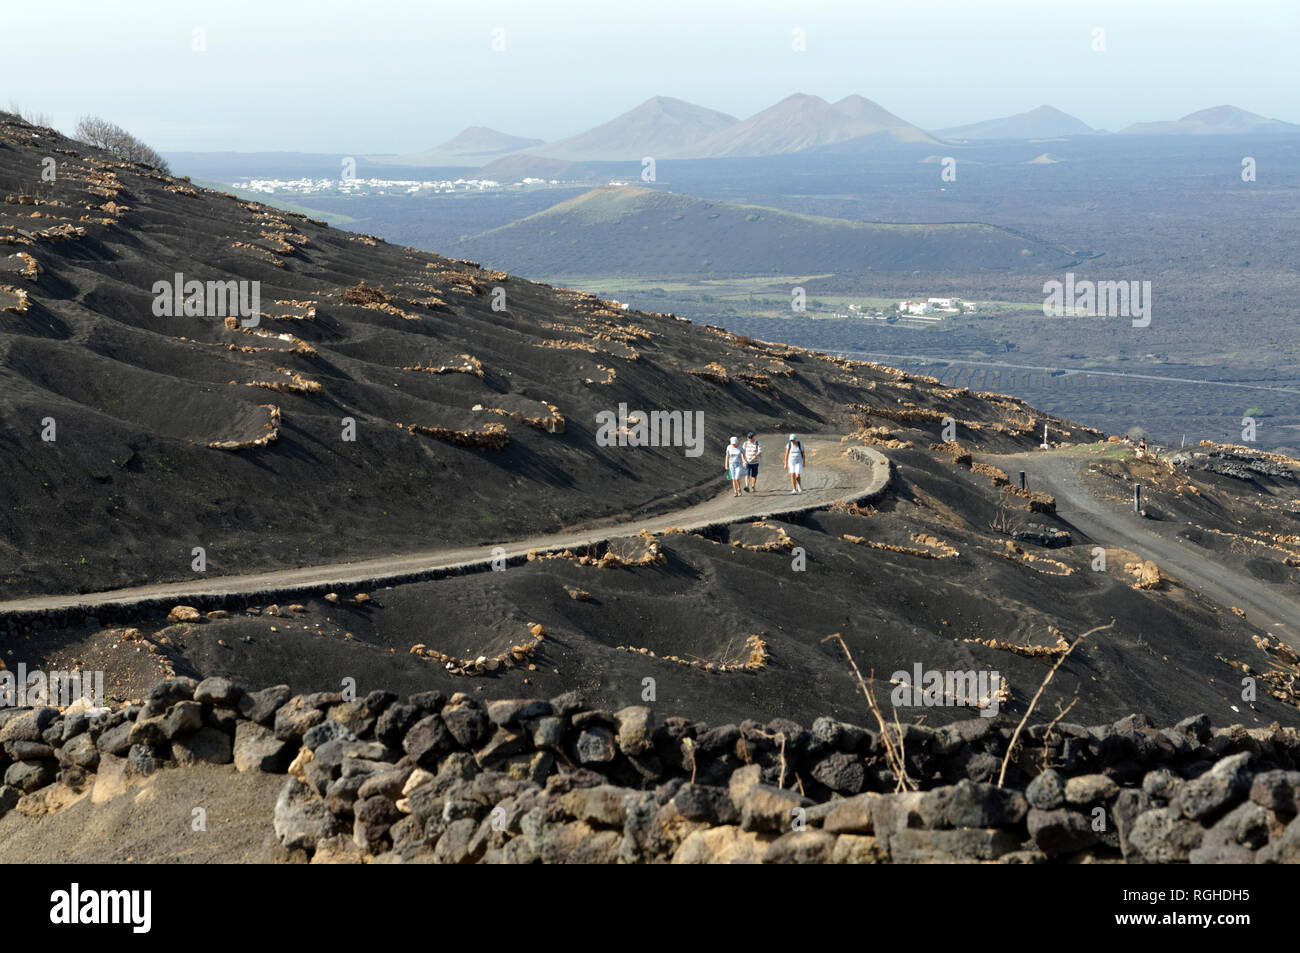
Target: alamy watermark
{"points": [[1092, 299], [931, 688], [131, 908], [656, 428], [24, 689], [212, 299]]}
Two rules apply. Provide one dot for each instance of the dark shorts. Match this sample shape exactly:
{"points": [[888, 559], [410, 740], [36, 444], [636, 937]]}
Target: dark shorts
{"points": [[751, 469]]}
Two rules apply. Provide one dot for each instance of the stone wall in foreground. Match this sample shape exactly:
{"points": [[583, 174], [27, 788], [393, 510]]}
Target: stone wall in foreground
{"points": [[453, 780]]}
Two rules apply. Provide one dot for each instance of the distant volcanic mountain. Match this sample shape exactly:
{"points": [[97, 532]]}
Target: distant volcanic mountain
{"points": [[660, 126], [474, 146], [664, 127], [522, 165], [1216, 121], [1045, 122], [802, 122]]}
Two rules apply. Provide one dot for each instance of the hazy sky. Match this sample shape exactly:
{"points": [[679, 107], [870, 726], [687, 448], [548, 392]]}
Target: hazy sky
{"points": [[392, 76]]}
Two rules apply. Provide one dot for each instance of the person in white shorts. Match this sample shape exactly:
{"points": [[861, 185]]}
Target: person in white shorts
{"points": [[752, 451], [734, 462], [794, 461]]}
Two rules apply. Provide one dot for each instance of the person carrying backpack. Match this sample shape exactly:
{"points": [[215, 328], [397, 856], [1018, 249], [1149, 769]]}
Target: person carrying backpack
{"points": [[795, 457], [752, 451]]}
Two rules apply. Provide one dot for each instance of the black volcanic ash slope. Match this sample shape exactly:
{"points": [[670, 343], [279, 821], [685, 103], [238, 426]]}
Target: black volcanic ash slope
{"points": [[131, 483]]}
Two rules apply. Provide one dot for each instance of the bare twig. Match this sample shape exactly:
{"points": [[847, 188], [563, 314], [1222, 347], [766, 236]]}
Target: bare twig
{"points": [[690, 748], [1052, 724], [1015, 735], [892, 755], [902, 753]]}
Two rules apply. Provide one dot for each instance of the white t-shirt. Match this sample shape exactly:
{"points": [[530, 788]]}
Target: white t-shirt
{"points": [[752, 450], [796, 451], [733, 456]]}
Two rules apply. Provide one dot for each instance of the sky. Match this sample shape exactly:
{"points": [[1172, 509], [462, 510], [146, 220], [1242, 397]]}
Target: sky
{"points": [[381, 76]]}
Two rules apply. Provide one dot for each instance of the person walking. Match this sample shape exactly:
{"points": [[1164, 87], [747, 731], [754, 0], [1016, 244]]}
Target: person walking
{"points": [[751, 451], [734, 461], [795, 456]]}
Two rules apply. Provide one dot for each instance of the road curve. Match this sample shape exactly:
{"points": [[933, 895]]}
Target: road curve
{"points": [[1058, 473], [832, 476]]}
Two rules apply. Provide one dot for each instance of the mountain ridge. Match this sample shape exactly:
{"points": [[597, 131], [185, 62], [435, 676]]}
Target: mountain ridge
{"points": [[1216, 120], [1042, 122]]}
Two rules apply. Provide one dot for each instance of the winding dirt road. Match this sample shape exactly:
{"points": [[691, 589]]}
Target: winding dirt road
{"points": [[1266, 606], [832, 476]]}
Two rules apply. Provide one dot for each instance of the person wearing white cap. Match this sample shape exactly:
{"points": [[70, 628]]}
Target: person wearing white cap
{"points": [[794, 461], [734, 462]]}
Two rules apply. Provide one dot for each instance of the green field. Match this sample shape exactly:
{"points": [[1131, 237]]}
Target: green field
{"points": [[758, 297]]}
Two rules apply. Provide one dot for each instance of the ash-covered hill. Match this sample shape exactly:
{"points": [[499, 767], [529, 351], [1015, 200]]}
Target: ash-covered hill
{"points": [[472, 424], [631, 230], [476, 425]]}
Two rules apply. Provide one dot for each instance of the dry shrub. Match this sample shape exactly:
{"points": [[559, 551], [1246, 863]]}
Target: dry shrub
{"points": [[30, 269], [878, 437], [941, 551], [1146, 572], [562, 345], [853, 509], [757, 381], [469, 365], [271, 434], [491, 437], [779, 543], [1028, 651], [998, 476], [909, 413], [960, 457], [1018, 555], [296, 384], [364, 294], [276, 243], [58, 233], [553, 422], [519, 654], [713, 371], [259, 252], [755, 659], [1279, 650], [1038, 502], [13, 300], [944, 550]]}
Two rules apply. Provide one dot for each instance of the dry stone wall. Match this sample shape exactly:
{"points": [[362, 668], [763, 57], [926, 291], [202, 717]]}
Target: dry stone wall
{"points": [[454, 780]]}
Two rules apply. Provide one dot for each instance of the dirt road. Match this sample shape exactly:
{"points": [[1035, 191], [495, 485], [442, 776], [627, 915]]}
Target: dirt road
{"points": [[1109, 523], [831, 476]]}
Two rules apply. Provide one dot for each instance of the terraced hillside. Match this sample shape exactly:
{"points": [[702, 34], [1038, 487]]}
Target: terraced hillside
{"points": [[130, 437]]}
